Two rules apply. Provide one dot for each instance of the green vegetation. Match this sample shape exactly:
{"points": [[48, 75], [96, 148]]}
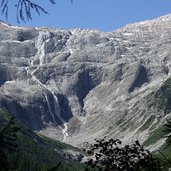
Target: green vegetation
{"points": [[130, 123], [149, 96], [154, 136], [162, 98], [164, 155], [36, 153], [126, 124], [154, 125], [148, 123], [112, 155]]}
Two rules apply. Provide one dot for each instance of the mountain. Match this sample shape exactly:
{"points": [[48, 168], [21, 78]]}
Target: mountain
{"points": [[77, 85]]}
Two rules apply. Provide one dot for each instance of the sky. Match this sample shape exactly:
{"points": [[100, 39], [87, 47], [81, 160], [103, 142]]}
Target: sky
{"points": [[104, 15]]}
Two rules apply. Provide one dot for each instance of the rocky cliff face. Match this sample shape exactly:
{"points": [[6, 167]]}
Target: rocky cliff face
{"points": [[78, 85]]}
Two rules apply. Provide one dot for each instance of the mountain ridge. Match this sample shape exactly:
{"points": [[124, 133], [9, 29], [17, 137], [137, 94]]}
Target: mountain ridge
{"points": [[77, 85]]}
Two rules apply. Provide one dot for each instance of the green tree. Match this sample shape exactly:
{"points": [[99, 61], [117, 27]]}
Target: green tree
{"points": [[112, 155]]}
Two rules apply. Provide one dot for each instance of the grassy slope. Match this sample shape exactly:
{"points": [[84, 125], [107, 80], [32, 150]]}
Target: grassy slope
{"points": [[164, 155], [37, 153]]}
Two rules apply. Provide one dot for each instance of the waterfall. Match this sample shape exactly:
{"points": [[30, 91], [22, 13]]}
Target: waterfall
{"points": [[57, 112], [49, 108], [56, 106], [42, 39]]}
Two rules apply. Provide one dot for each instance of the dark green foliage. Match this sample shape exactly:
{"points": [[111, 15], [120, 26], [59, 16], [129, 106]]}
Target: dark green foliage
{"points": [[8, 137], [112, 155], [167, 131], [155, 135], [164, 153], [33, 152], [162, 98], [167, 126], [64, 167]]}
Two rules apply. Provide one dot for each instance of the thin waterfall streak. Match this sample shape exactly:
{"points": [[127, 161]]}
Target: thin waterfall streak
{"points": [[57, 111], [43, 38], [56, 105], [49, 108]]}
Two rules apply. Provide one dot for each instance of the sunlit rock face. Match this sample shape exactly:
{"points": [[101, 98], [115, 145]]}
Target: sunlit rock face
{"points": [[78, 85]]}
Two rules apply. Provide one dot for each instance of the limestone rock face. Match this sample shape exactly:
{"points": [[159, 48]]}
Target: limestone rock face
{"points": [[78, 85]]}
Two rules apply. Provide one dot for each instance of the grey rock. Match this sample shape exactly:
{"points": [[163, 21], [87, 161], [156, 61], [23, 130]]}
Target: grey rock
{"points": [[78, 85], [73, 155]]}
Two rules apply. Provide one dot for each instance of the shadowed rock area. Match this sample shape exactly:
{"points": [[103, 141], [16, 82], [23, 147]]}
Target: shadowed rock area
{"points": [[140, 79]]}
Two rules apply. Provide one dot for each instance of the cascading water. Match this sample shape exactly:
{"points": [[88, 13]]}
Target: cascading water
{"points": [[49, 108], [43, 38], [57, 111], [40, 56]]}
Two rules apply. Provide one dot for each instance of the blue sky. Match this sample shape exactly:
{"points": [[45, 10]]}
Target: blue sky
{"points": [[105, 15]]}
